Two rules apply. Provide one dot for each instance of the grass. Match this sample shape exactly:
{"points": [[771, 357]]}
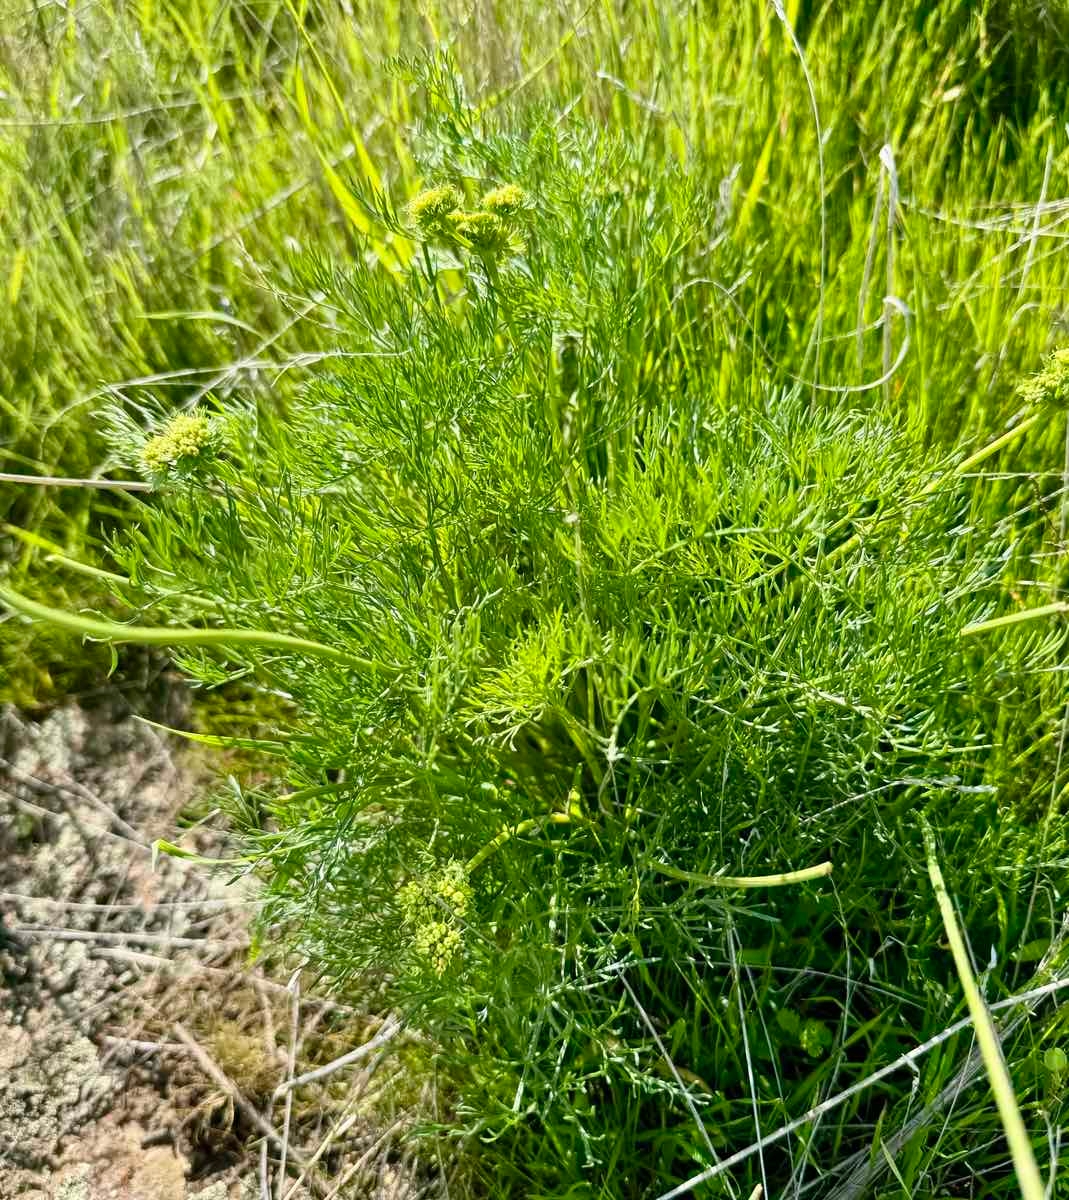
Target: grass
{"points": [[155, 168], [1024, 1160], [161, 161], [647, 525]]}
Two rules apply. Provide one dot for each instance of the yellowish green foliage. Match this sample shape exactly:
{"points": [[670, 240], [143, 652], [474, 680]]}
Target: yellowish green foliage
{"points": [[1051, 385], [666, 505]]}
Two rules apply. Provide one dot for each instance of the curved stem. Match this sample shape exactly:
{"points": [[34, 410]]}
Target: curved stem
{"points": [[511, 831], [745, 881], [144, 635]]}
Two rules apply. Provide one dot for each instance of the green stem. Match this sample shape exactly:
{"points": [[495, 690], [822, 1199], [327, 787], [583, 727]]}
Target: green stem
{"points": [[493, 278], [54, 554], [160, 846], [1024, 1160], [111, 631], [1027, 614], [310, 793], [985, 452], [511, 831], [745, 881], [72, 564]]}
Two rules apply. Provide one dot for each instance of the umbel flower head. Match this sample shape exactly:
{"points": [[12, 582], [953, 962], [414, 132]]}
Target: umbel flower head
{"points": [[432, 207], [436, 944], [483, 231], [185, 439], [433, 908], [506, 202], [1051, 385], [488, 231]]}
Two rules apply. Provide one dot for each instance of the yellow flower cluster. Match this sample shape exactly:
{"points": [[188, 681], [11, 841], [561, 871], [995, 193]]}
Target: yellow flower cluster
{"points": [[486, 231], [506, 202], [185, 436], [1051, 385], [433, 206], [433, 907], [436, 944], [482, 231]]}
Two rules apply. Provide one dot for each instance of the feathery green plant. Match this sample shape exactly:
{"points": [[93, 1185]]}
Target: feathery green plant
{"points": [[629, 580], [157, 159], [602, 629]]}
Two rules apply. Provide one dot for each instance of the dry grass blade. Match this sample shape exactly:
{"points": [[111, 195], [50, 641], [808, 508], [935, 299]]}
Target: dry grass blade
{"points": [[219, 1077], [77, 790], [114, 485], [291, 1063], [205, 945], [391, 1027]]}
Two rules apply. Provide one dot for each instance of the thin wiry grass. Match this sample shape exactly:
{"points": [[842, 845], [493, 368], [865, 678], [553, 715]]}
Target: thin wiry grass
{"points": [[1024, 1161]]}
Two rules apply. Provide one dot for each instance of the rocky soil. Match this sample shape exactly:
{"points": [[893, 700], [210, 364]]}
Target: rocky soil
{"points": [[141, 1056]]}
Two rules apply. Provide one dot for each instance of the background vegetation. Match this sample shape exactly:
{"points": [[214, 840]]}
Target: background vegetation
{"points": [[647, 530], [161, 160]]}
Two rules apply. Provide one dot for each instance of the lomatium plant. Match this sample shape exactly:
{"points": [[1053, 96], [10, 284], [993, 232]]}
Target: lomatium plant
{"points": [[603, 644]]}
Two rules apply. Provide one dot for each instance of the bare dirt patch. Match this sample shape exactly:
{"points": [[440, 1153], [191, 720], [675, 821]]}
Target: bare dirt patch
{"points": [[140, 1054]]}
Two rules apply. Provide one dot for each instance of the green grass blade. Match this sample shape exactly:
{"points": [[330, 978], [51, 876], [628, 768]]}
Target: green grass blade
{"points": [[1024, 1160]]}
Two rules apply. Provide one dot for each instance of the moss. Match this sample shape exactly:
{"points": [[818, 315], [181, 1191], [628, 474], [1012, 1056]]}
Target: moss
{"points": [[245, 1058]]}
